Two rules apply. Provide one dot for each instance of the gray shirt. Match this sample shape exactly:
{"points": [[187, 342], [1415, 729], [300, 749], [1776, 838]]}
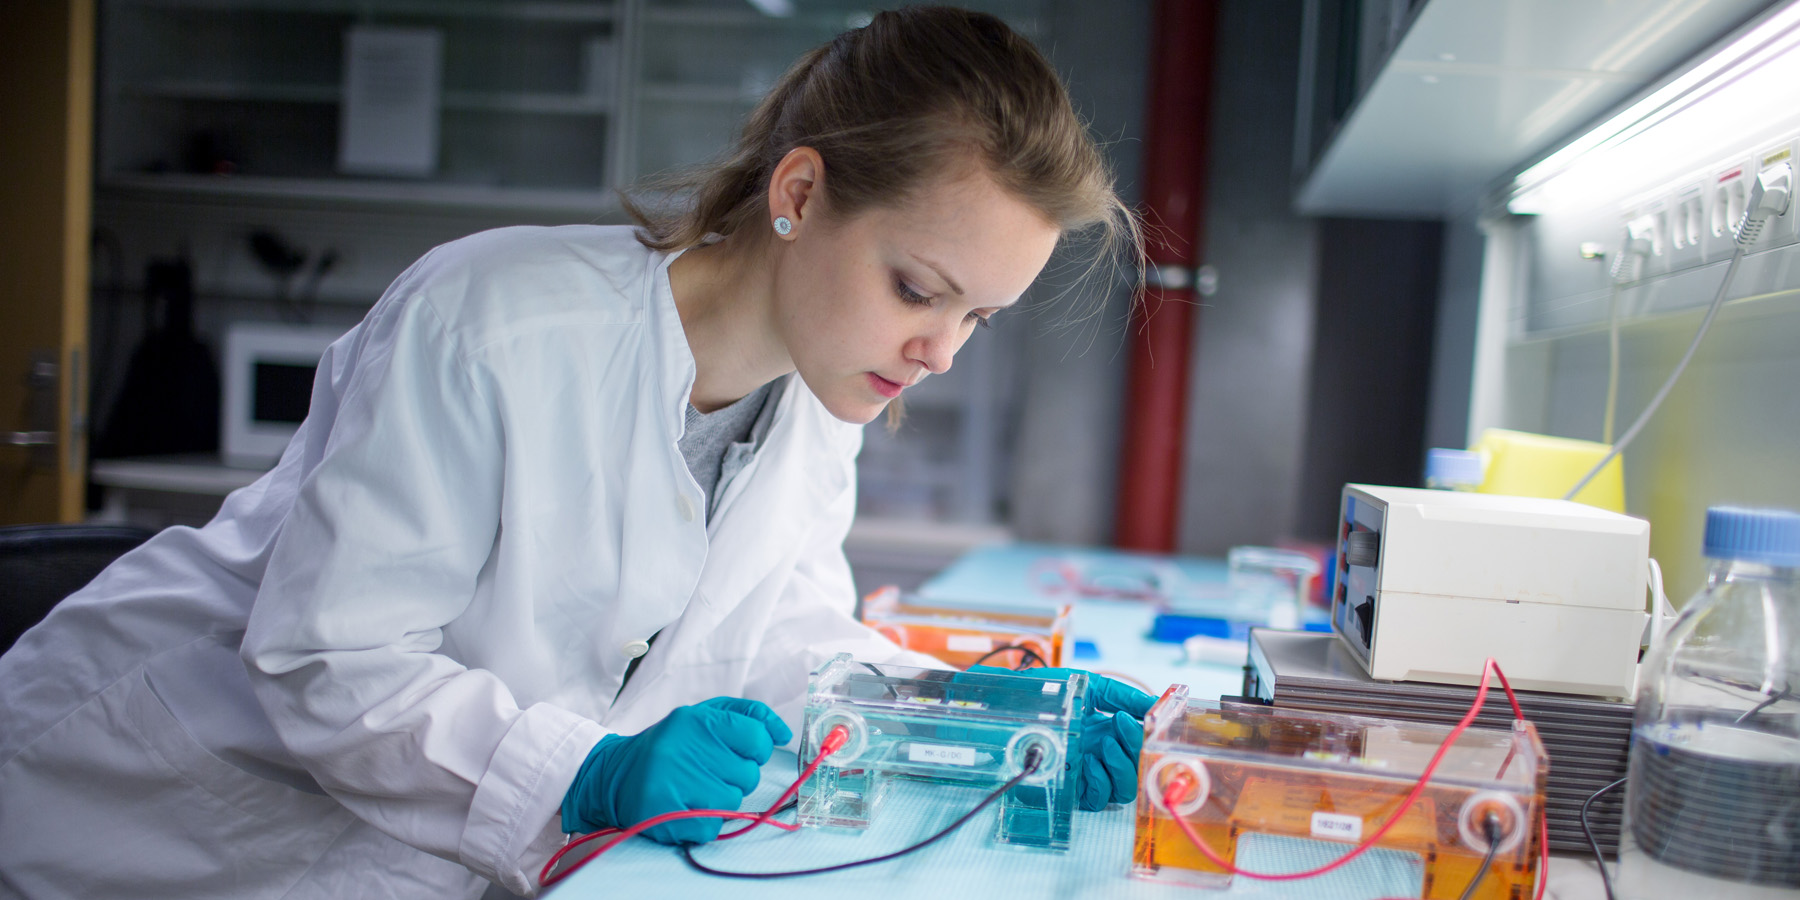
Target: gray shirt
{"points": [[719, 444]]}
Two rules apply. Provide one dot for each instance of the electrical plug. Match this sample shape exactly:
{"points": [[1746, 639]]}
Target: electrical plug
{"points": [[834, 741], [1034, 757], [1180, 788], [1636, 249], [1768, 199]]}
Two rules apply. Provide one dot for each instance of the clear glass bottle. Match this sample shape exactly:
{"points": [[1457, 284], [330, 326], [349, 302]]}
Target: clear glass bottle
{"points": [[1712, 802]]}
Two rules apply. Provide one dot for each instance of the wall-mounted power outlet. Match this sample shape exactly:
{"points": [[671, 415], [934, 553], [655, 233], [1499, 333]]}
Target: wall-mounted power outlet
{"points": [[1730, 189], [1647, 235], [1687, 227]]}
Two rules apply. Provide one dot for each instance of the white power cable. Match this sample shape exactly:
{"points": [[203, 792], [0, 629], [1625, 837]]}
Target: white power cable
{"points": [[1660, 614], [1625, 269], [1768, 199]]}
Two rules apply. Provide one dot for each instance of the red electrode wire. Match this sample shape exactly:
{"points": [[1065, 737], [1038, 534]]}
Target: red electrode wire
{"points": [[833, 742], [1172, 798]]}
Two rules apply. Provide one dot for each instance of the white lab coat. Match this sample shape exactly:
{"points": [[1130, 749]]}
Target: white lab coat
{"points": [[380, 667]]}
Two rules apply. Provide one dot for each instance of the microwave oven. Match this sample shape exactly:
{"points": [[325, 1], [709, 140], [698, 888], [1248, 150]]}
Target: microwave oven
{"points": [[267, 383]]}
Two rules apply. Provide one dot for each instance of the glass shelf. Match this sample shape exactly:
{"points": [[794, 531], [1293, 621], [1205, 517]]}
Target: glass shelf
{"points": [[534, 10], [568, 104], [602, 204], [527, 104]]}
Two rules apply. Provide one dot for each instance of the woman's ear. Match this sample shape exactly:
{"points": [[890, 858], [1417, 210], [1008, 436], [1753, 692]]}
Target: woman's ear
{"points": [[796, 189]]}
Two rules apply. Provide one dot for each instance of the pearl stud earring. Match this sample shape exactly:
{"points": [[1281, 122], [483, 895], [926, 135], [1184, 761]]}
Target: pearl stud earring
{"points": [[782, 225]]}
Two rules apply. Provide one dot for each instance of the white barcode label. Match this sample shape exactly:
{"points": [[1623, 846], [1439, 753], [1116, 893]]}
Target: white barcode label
{"points": [[1336, 826], [968, 643], [941, 753]]}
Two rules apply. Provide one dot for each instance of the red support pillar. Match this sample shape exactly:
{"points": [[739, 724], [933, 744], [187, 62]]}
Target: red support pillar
{"points": [[1162, 330]]}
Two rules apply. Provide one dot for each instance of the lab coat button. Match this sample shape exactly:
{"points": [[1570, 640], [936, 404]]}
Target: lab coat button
{"points": [[634, 649], [686, 506]]}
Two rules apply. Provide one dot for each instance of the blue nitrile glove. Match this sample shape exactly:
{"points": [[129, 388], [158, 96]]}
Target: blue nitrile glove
{"points": [[705, 756], [1103, 693], [1111, 735], [1109, 759]]}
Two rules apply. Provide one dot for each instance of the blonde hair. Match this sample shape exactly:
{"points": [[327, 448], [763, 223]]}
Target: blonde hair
{"points": [[914, 94]]}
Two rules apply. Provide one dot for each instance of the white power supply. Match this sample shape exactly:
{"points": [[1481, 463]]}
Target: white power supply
{"points": [[1431, 583]]}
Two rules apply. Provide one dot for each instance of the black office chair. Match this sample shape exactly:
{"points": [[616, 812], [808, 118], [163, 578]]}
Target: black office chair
{"points": [[42, 564]]}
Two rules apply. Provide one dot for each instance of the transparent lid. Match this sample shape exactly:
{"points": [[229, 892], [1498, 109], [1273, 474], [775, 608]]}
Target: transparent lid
{"points": [[1482, 758], [974, 697]]}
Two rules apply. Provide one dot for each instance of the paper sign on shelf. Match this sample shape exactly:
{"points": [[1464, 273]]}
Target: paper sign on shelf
{"points": [[388, 121]]}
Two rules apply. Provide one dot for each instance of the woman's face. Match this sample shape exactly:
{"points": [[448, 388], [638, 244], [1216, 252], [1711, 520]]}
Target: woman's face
{"points": [[868, 306]]}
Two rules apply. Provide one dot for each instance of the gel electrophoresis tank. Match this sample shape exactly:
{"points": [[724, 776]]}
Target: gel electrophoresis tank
{"points": [[1253, 772], [963, 634], [955, 727]]}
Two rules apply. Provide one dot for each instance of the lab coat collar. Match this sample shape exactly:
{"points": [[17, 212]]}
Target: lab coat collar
{"points": [[773, 508], [775, 500], [678, 369]]}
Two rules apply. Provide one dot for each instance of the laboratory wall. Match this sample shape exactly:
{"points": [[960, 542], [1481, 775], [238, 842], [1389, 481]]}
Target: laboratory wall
{"points": [[1729, 432], [1453, 343], [1283, 408], [1061, 474], [1254, 335], [1377, 307]]}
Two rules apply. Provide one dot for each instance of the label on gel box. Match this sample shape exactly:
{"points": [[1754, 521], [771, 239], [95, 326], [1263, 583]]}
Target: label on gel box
{"points": [[968, 643], [1336, 826], [941, 753]]}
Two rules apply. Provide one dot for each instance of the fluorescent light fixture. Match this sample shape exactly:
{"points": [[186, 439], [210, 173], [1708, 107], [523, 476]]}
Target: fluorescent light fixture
{"points": [[1718, 106]]}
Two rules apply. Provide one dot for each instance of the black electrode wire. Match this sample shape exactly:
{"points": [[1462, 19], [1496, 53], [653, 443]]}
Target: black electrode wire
{"points": [[892, 694], [1030, 655], [1033, 758], [1656, 401], [1588, 831], [785, 807], [1490, 826]]}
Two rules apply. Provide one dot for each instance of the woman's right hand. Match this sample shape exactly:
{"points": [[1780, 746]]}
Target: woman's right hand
{"points": [[705, 756]]}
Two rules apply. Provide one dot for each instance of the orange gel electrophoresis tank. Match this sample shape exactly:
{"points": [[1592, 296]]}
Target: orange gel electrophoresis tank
{"points": [[965, 634], [1236, 772]]}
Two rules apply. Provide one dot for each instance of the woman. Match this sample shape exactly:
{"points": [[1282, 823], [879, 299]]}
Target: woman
{"points": [[559, 488]]}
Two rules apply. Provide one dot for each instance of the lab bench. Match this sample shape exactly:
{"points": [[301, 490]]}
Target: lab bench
{"points": [[160, 491], [968, 862]]}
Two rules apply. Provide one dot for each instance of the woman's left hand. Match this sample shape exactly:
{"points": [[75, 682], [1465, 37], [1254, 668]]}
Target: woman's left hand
{"points": [[1112, 734]]}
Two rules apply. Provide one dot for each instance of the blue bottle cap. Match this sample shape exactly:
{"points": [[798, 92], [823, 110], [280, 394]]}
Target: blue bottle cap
{"points": [[1770, 536], [1444, 466]]}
